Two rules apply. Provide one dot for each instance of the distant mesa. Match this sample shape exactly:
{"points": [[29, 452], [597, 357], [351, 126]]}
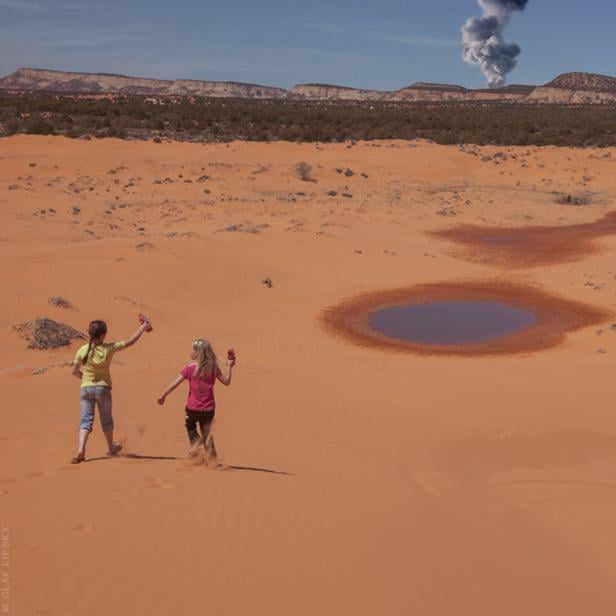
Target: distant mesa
{"points": [[584, 81], [568, 88]]}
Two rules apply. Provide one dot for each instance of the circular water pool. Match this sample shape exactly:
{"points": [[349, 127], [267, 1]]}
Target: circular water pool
{"points": [[459, 318], [450, 322]]}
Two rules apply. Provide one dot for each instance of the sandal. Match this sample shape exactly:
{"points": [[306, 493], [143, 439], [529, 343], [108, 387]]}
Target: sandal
{"points": [[78, 459]]}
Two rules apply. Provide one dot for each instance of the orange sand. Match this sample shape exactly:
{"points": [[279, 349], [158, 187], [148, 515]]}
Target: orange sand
{"points": [[361, 481]]}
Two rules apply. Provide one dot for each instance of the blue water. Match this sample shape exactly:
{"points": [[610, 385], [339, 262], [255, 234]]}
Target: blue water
{"points": [[454, 322]]}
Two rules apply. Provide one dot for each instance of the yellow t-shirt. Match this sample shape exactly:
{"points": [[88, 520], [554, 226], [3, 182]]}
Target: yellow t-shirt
{"points": [[96, 369]]}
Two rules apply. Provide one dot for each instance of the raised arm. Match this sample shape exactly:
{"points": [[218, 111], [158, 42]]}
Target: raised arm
{"points": [[173, 385], [226, 379], [143, 327]]}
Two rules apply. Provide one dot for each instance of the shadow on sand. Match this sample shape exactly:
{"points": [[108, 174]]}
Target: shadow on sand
{"points": [[255, 469], [222, 467]]}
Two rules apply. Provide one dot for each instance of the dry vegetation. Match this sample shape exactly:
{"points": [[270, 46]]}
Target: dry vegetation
{"points": [[199, 119]]}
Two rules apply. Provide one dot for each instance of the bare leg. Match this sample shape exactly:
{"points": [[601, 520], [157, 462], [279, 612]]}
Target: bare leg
{"points": [[112, 448], [211, 456], [83, 439]]}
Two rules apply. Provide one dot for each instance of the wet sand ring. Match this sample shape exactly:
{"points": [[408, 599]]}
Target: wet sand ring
{"points": [[528, 246], [555, 315]]}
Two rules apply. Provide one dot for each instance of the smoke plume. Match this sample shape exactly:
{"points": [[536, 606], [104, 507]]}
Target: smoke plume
{"points": [[483, 43]]}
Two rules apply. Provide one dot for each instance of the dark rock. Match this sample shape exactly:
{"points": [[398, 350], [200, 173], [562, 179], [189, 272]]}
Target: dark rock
{"points": [[60, 302], [447, 211], [267, 282], [241, 228]]}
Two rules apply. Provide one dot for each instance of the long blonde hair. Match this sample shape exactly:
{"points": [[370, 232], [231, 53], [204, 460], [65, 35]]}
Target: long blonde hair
{"points": [[206, 358]]}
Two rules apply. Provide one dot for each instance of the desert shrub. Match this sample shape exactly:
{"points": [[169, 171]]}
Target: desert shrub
{"points": [[570, 199], [304, 171], [12, 126], [36, 125], [324, 121]]}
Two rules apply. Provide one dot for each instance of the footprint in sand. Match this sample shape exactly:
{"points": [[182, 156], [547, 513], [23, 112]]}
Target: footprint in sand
{"points": [[86, 527], [427, 481], [35, 475], [161, 484]]}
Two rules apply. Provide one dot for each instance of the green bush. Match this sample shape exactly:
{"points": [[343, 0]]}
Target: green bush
{"points": [[36, 125]]}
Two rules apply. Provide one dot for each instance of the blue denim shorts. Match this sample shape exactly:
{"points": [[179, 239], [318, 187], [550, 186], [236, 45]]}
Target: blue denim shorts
{"points": [[101, 396]]}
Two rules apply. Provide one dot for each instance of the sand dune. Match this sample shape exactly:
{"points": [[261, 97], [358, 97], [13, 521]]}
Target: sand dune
{"points": [[356, 480]]}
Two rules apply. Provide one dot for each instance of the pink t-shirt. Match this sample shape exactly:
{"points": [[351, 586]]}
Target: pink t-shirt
{"points": [[201, 392]]}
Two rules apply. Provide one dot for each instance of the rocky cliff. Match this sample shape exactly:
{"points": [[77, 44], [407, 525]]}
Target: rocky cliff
{"points": [[568, 89], [318, 91], [29, 79], [576, 89]]}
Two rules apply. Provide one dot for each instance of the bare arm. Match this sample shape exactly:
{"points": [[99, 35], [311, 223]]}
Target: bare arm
{"points": [[76, 372], [226, 379], [173, 385], [143, 327]]}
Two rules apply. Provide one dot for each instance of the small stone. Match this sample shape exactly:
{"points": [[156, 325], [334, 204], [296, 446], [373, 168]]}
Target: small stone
{"points": [[267, 282], [60, 302]]}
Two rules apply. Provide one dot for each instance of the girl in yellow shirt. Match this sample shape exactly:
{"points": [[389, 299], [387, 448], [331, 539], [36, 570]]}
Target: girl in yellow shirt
{"points": [[91, 367]]}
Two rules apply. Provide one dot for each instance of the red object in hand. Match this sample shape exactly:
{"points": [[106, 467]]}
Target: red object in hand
{"points": [[231, 354], [143, 319]]}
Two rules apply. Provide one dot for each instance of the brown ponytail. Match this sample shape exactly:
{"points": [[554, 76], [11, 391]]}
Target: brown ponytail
{"points": [[96, 329]]}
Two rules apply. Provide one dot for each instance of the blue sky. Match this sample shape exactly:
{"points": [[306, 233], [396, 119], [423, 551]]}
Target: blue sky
{"points": [[382, 45]]}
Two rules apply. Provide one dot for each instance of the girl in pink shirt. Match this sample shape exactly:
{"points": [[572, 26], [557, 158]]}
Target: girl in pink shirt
{"points": [[201, 375]]}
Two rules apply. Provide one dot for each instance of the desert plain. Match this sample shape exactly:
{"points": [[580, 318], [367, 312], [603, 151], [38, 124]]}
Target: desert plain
{"points": [[355, 479]]}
